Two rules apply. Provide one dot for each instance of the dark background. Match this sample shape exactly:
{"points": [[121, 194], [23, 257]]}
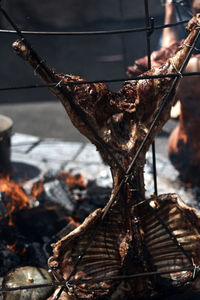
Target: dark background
{"points": [[37, 111]]}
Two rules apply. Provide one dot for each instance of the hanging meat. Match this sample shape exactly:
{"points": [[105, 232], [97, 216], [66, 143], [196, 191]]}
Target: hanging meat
{"points": [[129, 235], [184, 141]]}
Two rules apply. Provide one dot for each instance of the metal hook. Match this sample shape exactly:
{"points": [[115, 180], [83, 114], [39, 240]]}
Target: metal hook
{"points": [[69, 287], [59, 83], [152, 27], [195, 270], [38, 65]]}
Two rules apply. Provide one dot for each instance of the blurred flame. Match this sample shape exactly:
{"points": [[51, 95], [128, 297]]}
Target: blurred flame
{"points": [[13, 248], [17, 199], [37, 189], [74, 181]]}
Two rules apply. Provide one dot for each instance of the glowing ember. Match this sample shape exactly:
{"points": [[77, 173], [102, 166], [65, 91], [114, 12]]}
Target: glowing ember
{"points": [[14, 249], [16, 195]]}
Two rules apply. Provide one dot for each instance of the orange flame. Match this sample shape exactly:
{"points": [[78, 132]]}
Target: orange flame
{"points": [[17, 199], [74, 180], [37, 189], [14, 249]]}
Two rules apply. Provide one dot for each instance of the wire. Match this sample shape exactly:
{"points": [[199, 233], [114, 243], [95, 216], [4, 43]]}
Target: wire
{"points": [[32, 86], [5, 289], [97, 32], [128, 172], [148, 43]]}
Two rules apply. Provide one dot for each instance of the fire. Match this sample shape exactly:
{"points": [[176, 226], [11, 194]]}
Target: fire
{"points": [[37, 189], [14, 249], [74, 181], [15, 196]]}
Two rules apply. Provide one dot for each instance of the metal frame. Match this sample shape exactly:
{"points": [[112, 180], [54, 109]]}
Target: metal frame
{"points": [[149, 31]]}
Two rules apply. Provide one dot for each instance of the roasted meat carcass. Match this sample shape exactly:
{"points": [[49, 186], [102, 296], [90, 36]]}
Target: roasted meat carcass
{"points": [[184, 141], [116, 240]]}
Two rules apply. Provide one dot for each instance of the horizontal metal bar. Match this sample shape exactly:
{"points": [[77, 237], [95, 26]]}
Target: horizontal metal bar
{"points": [[4, 289], [96, 32], [32, 86]]}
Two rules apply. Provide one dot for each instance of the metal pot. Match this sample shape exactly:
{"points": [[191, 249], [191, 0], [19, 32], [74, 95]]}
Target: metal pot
{"points": [[6, 125]]}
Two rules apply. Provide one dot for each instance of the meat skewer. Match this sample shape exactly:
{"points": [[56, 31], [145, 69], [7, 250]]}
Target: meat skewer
{"points": [[121, 243]]}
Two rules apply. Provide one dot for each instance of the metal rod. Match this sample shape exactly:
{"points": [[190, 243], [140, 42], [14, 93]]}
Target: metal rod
{"points": [[128, 173], [22, 87], [4, 289], [148, 43], [98, 32]]}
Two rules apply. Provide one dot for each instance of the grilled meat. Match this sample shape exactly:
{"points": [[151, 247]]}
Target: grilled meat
{"points": [[184, 141], [115, 240]]}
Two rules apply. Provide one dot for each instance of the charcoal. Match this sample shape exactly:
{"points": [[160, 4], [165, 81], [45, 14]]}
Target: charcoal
{"points": [[84, 209], [39, 222], [64, 231], [2, 204], [8, 260], [47, 249], [35, 255], [50, 175], [98, 195], [58, 192]]}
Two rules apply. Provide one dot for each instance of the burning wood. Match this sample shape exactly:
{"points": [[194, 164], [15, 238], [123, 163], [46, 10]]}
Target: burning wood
{"points": [[31, 219], [15, 198], [118, 239]]}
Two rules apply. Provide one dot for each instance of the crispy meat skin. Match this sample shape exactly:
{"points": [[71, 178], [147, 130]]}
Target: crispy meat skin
{"points": [[121, 243]]}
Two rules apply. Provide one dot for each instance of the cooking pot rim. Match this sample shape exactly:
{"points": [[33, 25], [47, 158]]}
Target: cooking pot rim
{"points": [[6, 125]]}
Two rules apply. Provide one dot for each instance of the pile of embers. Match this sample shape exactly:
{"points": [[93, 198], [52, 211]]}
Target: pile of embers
{"points": [[31, 219]]}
